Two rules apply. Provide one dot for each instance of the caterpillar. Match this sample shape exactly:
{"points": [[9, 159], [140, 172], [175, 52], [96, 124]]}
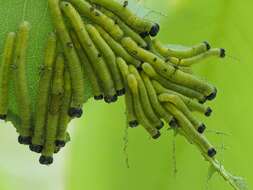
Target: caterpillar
{"points": [[56, 94], [74, 64], [215, 52], [96, 88], [43, 95], [109, 58], [190, 132], [131, 116], [117, 48], [145, 102], [140, 25], [64, 118], [97, 17], [180, 54], [125, 28], [20, 83], [180, 105], [169, 72], [150, 71], [192, 105], [154, 100], [92, 52], [5, 74], [133, 86]]}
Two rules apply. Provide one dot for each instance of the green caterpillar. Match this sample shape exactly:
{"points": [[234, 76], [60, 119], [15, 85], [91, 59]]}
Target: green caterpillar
{"points": [[149, 70], [57, 91], [191, 104], [43, 95], [169, 72], [96, 89], [140, 25], [125, 28], [21, 86], [97, 17], [74, 64], [180, 54], [64, 118], [188, 130], [93, 54], [117, 48], [145, 101], [109, 58], [180, 105], [154, 100], [133, 85], [5, 74], [131, 116], [195, 59]]}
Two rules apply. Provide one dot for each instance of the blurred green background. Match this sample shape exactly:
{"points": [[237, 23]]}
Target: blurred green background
{"points": [[95, 158]]}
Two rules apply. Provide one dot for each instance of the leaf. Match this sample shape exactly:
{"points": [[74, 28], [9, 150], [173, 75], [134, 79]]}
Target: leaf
{"points": [[13, 12]]}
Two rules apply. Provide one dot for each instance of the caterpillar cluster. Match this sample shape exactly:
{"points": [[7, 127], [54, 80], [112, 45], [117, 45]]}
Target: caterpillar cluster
{"points": [[121, 55]]}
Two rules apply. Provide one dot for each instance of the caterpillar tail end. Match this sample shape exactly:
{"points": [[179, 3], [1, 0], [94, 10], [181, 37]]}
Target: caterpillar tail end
{"points": [[202, 128], [25, 140], [121, 92], [144, 34], [208, 46], [3, 117], [46, 160], [99, 97], [60, 143], [222, 53], [208, 112], [160, 126], [111, 99], [211, 152], [36, 148], [157, 135], [154, 30], [133, 123], [173, 123], [213, 95], [75, 112]]}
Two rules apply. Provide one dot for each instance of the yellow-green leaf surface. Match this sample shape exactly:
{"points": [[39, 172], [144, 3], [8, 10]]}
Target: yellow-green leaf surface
{"points": [[12, 13]]}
